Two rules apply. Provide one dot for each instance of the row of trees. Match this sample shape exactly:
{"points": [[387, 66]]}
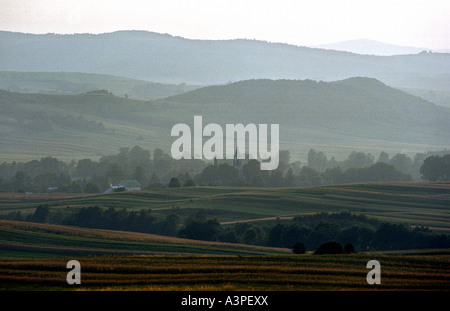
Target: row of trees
{"points": [[304, 232], [251, 175], [98, 218], [402, 162], [44, 121], [363, 233], [162, 170]]}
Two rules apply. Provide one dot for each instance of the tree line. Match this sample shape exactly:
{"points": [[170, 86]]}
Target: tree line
{"points": [[303, 233], [161, 170]]}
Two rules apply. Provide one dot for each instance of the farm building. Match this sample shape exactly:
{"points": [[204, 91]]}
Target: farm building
{"points": [[128, 185]]}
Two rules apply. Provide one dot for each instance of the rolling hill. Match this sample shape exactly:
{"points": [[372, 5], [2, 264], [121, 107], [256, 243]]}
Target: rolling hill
{"points": [[419, 204], [371, 47], [165, 58], [335, 117], [43, 240], [33, 256], [107, 264], [358, 113], [73, 83]]}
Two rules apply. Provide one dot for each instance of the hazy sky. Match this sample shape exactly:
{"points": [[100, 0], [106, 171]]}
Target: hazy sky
{"points": [[409, 23]]}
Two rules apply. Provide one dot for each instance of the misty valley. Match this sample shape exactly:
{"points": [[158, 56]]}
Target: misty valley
{"points": [[174, 164]]}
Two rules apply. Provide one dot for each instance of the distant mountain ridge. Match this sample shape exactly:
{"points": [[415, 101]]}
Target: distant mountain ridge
{"points": [[371, 47], [165, 58]]}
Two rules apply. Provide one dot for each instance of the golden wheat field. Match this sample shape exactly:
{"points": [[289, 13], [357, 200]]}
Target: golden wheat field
{"points": [[280, 272]]}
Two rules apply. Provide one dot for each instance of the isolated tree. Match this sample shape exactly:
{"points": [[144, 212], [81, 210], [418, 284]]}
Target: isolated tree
{"points": [[349, 248], [329, 248], [299, 248]]}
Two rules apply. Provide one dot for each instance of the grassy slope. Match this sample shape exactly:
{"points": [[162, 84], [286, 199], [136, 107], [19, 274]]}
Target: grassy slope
{"points": [[34, 257], [24, 247], [336, 117], [22, 239], [425, 204], [122, 118]]}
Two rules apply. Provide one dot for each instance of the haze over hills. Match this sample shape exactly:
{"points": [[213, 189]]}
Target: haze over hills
{"points": [[72, 83], [372, 47], [335, 117], [353, 113], [164, 58]]}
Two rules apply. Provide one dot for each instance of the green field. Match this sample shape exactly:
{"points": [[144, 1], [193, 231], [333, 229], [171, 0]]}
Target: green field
{"points": [[419, 204], [33, 256]]}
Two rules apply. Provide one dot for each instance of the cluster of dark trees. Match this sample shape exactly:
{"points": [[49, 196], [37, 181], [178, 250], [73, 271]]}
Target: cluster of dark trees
{"points": [[251, 175], [303, 233], [436, 168], [161, 170], [318, 161], [136, 221], [98, 218], [360, 232], [89, 176], [331, 247]]}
